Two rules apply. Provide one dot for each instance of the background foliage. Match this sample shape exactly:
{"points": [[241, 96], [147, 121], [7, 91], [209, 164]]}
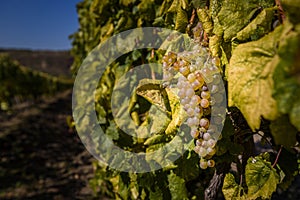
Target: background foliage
{"points": [[19, 82], [257, 43]]}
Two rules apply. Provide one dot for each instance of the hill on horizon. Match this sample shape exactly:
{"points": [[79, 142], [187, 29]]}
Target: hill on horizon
{"points": [[54, 62]]}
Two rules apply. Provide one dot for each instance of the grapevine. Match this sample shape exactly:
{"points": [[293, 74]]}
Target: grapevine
{"points": [[251, 47]]}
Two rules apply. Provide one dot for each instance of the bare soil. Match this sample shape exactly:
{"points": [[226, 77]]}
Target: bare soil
{"points": [[40, 156]]}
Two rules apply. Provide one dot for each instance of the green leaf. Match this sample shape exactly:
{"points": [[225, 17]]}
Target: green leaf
{"points": [[291, 7], [173, 8], [205, 19], [283, 132], [286, 75], [261, 178], [235, 15], [231, 190], [153, 92], [177, 187], [178, 113], [260, 26], [181, 20], [157, 120], [250, 78]]}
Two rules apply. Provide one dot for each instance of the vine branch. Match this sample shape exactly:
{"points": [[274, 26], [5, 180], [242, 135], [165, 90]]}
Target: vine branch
{"points": [[277, 157]]}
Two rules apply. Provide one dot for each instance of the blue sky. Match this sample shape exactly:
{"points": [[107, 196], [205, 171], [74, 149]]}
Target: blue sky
{"points": [[37, 24]]}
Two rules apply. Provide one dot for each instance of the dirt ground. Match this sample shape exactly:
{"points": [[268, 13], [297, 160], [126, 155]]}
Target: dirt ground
{"points": [[41, 158]]}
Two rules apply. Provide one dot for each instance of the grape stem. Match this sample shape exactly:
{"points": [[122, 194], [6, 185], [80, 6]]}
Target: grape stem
{"points": [[277, 157]]}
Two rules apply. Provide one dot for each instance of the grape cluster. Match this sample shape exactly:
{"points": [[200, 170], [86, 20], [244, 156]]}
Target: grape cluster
{"points": [[198, 82]]}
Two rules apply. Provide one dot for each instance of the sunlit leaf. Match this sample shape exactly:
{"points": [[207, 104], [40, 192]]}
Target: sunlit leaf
{"points": [[261, 178], [235, 15], [250, 78], [258, 27], [231, 190]]}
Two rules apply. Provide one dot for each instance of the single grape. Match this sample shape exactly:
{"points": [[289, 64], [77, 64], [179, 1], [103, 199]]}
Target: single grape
{"points": [[191, 78], [203, 164], [202, 151], [176, 66], [210, 163], [194, 133], [195, 100], [211, 151], [165, 64], [204, 122], [190, 111], [197, 149], [204, 103], [199, 142], [199, 77], [196, 85], [190, 92], [204, 145], [205, 94], [211, 143], [204, 88], [184, 71], [206, 136]]}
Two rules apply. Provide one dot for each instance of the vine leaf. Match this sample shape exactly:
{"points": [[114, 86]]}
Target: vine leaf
{"points": [[166, 100], [179, 115], [250, 81], [261, 178], [232, 10], [231, 189], [258, 27], [153, 92], [181, 20], [291, 7], [286, 75], [283, 132], [177, 187]]}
